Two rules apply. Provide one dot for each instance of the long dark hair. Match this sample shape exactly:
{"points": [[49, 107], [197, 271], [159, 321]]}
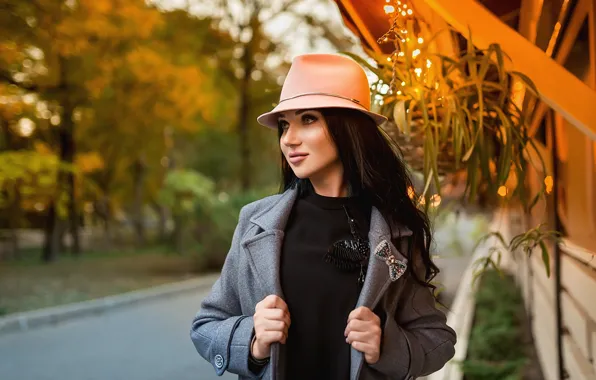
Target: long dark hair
{"points": [[373, 166]]}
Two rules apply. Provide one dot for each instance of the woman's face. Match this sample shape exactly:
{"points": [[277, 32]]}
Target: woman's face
{"points": [[307, 146]]}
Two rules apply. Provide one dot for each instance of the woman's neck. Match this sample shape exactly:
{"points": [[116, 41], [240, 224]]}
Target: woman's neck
{"points": [[331, 186]]}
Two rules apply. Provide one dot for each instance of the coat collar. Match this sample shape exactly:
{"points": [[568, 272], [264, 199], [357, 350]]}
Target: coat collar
{"points": [[275, 217], [265, 247]]}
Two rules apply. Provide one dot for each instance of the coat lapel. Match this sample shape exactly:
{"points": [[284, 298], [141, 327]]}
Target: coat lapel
{"points": [[378, 276], [264, 250], [378, 271], [265, 247]]}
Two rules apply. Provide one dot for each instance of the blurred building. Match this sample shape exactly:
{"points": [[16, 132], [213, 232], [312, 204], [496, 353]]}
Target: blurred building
{"points": [[553, 42]]}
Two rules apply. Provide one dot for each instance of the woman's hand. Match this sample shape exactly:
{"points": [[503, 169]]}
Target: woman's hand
{"points": [[272, 321], [364, 333]]}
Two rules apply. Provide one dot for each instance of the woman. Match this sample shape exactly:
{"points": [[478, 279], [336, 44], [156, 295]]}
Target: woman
{"points": [[330, 278]]}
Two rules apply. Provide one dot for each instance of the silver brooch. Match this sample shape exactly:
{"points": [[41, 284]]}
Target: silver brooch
{"points": [[396, 267]]}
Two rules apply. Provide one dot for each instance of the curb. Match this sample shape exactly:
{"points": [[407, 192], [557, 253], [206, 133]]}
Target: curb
{"points": [[462, 309], [53, 315]]}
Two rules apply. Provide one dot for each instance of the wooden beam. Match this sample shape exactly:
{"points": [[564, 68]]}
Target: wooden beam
{"points": [[529, 17], [592, 44], [509, 17], [530, 11], [558, 88], [575, 23], [445, 42], [361, 26], [557, 29]]}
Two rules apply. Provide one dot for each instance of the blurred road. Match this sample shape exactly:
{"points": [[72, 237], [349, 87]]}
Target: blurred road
{"points": [[146, 342]]}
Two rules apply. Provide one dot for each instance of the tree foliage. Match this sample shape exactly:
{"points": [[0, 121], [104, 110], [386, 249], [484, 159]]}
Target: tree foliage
{"points": [[115, 98]]}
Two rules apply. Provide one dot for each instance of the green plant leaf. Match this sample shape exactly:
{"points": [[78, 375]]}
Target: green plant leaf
{"points": [[473, 173], [500, 62], [485, 64], [400, 117], [545, 258], [411, 109], [469, 152], [532, 144], [487, 236], [527, 81], [506, 147], [427, 184], [458, 136], [471, 55]]}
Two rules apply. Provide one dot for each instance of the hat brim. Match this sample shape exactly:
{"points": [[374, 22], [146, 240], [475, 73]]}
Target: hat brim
{"points": [[269, 119]]}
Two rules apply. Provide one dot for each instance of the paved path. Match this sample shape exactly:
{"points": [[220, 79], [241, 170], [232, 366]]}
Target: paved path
{"points": [[145, 342], [454, 241]]}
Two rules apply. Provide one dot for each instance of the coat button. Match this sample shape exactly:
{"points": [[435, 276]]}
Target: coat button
{"points": [[219, 361]]}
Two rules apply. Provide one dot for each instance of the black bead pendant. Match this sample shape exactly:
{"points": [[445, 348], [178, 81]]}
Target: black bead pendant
{"points": [[350, 254]]}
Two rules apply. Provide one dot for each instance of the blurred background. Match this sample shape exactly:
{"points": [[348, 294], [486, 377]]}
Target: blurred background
{"points": [[129, 144]]}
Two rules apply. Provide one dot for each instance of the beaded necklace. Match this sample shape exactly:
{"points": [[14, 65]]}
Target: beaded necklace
{"points": [[350, 254]]}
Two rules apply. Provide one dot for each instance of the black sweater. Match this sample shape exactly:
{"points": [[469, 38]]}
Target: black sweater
{"points": [[319, 295]]}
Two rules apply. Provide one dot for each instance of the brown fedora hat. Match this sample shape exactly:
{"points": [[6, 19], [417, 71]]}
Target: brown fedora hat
{"points": [[323, 81]]}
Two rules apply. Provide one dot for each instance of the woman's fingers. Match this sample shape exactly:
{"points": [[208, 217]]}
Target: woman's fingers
{"points": [[359, 325], [363, 313], [363, 347], [273, 308], [357, 336], [276, 315], [268, 337], [272, 302], [271, 320], [269, 325], [371, 353], [363, 332]]}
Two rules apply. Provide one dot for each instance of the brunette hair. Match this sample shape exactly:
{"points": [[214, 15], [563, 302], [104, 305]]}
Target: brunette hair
{"points": [[373, 166]]}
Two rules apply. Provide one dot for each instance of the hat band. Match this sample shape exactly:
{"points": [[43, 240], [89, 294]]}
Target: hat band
{"points": [[324, 94]]}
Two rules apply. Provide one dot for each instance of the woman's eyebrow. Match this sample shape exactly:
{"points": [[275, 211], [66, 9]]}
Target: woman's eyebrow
{"points": [[301, 111], [281, 115]]}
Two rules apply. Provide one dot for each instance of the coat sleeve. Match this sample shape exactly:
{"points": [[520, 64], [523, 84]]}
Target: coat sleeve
{"points": [[220, 332], [417, 341]]}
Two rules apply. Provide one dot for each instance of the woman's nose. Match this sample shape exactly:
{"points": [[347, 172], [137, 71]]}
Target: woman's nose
{"points": [[290, 137]]}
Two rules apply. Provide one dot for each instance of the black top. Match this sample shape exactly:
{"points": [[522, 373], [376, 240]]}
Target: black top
{"points": [[320, 295]]}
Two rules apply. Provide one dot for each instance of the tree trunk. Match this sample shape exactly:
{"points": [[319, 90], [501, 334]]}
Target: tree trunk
{"points": [[103, 207], [139, 173], [15, 221], [53, 229], [104, 212], [178, 233], [67, 156], [162, 221], [247, 65], [6, 135]]}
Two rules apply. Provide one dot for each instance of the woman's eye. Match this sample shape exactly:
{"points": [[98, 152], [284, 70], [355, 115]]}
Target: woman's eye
{"points": [[283, 125], [308, 119]]}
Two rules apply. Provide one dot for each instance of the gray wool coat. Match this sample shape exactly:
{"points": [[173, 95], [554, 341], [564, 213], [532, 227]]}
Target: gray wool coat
{"points": [[415, 342]]}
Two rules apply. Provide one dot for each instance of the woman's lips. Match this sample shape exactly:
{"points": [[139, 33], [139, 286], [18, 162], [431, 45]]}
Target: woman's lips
{"points": [[297, 158]]}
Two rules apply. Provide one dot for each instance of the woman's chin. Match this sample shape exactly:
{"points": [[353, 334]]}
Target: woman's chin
{"points": [[301, 174]]}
